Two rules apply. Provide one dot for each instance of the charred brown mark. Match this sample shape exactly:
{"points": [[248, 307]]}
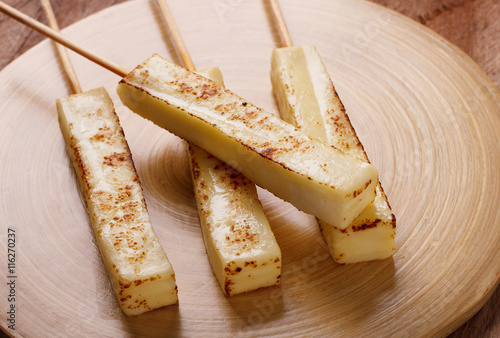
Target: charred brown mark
{"points": [[227, 286], [184, 87], [344, 231], [366, 226], [195, 166], [117, 158], [234, 178], [268, 152], [77, 153], [359, 191], [123, 299], [208, 90], [233, 272], [196, 174], [125, 285], [252, 149]]}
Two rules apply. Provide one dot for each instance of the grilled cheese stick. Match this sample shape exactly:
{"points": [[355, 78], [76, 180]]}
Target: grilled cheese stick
{"points": [[239, 241], [306, 172], [138, 268], [307, 99]]}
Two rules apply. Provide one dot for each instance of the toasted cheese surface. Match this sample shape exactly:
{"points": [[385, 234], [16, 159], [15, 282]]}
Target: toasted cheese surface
{"points": [[139, 270], [307, 99], [304, 171], [240, 244], [239, 241]]}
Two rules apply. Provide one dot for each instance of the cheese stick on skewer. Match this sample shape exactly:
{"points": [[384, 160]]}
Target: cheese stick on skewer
{"points": [[240, 244], [307, 99], [138, 268], [306, 172], [140, 273], [315, 177]]}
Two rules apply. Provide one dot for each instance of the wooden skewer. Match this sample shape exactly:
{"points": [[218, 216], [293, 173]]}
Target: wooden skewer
{"points": [[56, 36], [169, 21], [280, 22], [61, 51]]}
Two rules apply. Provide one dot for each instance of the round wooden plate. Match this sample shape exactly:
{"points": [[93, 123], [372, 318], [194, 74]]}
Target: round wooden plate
{"points": [[427, 115]]}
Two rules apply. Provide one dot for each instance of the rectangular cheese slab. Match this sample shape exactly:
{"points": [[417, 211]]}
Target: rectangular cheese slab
{"points": [[141, 275], [239, 241], [307, 99], [313, 176]]}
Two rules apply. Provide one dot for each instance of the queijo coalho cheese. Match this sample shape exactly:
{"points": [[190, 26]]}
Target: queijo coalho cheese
{"points": [[310, 174], [307, 99], [239, 242], [138, 268]]}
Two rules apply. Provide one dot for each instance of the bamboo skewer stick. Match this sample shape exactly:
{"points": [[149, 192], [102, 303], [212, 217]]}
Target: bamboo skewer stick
{"points": [[175, 35], [61, 51], [280, 22], [55, 35]]}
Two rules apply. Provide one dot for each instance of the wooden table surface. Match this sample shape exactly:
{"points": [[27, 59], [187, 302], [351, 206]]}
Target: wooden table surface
{"points": [[472, 25]]}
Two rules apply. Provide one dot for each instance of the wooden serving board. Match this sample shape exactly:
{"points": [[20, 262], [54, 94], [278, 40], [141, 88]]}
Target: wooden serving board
{"points": [[426, 114]]}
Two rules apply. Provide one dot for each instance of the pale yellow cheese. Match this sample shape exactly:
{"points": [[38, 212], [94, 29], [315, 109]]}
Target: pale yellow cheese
{"points": [[307, 99], [240, 244], [306, 172], [138, 268]]}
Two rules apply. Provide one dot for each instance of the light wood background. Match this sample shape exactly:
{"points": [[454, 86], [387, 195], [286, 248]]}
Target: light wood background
{"points": [[473, 26]]}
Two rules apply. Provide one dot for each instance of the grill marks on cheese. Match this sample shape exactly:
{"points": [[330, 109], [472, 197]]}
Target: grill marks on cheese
{"points": [[139, 270], [118, 205], [234, 226], [307, 98], [240, 244], [237, 110], [232, 180], [310, 174]]}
